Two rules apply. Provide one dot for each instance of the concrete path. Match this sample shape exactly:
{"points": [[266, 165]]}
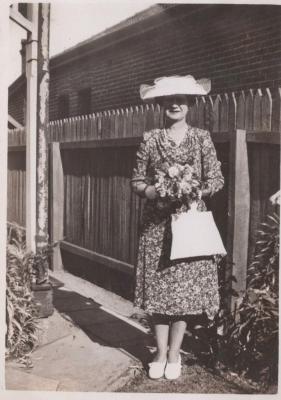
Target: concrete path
{"points": [[90, 344], [84, 346]]}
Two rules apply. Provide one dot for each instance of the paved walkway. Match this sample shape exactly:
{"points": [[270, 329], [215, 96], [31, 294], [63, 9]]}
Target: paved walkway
{"points": [[89, 344], [86, 345]]}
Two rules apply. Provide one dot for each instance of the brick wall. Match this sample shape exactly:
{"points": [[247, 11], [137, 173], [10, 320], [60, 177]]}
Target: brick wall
{"points": [[237, 46]]}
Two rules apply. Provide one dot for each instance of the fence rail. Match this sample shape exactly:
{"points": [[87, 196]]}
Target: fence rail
{"points": [[91, 204]]}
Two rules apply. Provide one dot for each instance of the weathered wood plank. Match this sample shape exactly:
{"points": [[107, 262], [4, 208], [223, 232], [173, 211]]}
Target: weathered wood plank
{"points": [[120, 123], [149, 117], [56, 204], [238, 210], [67, 201], [209, 114], [105, 125], [257, 111], [201, 112], [20, 189], [120, 142], [156, 115], [255, 190], [98, 258], [224, 113], [99, 124], [276, 110], [249, 101], [13, 148], [88, 211], [135, 121], [232, 113], [92, 134], [82, 134], [263, 137], [23, 198], [266, 110], [162, 118], [216, 113], [241, 110], [192, 116]]}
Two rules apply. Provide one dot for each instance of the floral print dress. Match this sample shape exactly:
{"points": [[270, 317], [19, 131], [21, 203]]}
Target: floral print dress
{"points": [[178, 287]]}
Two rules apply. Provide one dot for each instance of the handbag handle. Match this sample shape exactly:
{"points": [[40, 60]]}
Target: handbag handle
{"points": [[193, 206]]}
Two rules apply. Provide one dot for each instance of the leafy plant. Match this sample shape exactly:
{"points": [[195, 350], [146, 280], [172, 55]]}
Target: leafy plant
{"points": [[246, 339], [20, 311], [256, 328]]}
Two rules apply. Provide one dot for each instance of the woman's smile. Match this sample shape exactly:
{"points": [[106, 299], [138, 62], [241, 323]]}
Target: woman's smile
{"points": [[176, 112], [175, 107]]}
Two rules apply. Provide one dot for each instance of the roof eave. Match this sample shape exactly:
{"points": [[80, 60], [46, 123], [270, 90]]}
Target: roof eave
{"points": [[116, 37]]}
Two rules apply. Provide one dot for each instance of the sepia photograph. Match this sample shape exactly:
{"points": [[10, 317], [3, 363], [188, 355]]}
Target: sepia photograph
{"points": [[141, 188]]}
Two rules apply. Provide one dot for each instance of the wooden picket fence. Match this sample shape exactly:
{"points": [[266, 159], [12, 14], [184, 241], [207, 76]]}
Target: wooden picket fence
{"points": [[253, 110], [91, 205]]}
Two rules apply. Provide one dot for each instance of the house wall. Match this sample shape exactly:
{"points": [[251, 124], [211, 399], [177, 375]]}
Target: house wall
{"points": [[237, 46], [17, 102]]}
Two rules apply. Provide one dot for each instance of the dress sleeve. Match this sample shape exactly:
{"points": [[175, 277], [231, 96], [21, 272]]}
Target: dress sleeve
{"points": [[213, 180], [142, 160]]}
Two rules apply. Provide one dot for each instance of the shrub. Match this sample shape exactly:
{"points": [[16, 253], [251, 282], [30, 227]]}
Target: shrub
{"points": [[255, 332], [20, 312], [246, 340]]}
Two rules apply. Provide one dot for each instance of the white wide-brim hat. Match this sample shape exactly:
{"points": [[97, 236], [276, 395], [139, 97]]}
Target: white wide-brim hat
{"points": [[172, 85]]}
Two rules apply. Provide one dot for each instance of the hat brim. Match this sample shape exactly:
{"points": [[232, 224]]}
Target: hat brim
{"points": [[168, 86]]}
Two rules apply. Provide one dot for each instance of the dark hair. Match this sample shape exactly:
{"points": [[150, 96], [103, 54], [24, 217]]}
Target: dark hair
{"points": [[191, 100], [158, 100]]}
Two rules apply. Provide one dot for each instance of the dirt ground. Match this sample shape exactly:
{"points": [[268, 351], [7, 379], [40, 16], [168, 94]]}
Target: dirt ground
{"points": [[194, 379]]}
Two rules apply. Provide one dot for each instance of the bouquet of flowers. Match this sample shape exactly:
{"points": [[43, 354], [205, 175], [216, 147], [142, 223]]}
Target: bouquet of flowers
{"points": [[177, 182]]}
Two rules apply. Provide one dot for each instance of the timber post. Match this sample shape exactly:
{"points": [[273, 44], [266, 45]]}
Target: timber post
{"points": [[239, 211], [56, 204], [42, 127]]}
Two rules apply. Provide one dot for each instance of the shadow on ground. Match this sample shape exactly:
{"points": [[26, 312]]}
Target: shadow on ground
{"points": [[106, 329], [101, 326]]}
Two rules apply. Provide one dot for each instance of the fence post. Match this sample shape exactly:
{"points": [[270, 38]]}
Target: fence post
{"points": [[239, 210], [56, 204]]}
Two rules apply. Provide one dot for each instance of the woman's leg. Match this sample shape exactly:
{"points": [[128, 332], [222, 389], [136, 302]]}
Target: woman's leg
{"points": [[177, 331], [162, 335], [161, 329]]}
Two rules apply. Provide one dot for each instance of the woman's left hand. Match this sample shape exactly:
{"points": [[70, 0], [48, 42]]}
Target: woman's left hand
{"points": [[205, 192], [151, 192]]}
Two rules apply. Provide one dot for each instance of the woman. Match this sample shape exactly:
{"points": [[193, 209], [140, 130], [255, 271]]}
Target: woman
{"points": [[171, 290]]}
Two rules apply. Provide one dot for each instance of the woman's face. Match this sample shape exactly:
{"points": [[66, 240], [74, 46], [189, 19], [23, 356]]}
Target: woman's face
{"points": [[175, 107]]}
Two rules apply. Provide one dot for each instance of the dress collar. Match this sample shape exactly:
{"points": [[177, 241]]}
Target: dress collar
{"points": [[169, 139]]}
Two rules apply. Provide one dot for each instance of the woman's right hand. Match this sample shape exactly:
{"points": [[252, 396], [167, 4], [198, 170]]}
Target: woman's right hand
{"points": [[151, 192]]}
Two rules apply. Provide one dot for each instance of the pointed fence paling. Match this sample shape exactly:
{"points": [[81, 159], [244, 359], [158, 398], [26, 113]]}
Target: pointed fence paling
{"points": [[16, 137], [254, 110]]}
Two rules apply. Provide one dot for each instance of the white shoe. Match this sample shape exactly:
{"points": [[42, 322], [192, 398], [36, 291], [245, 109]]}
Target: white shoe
{"points": [[173, 370], [156, 369]]}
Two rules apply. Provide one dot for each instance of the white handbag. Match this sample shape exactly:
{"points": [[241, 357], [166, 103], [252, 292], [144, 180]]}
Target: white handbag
{"points": [[195, 234]]}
